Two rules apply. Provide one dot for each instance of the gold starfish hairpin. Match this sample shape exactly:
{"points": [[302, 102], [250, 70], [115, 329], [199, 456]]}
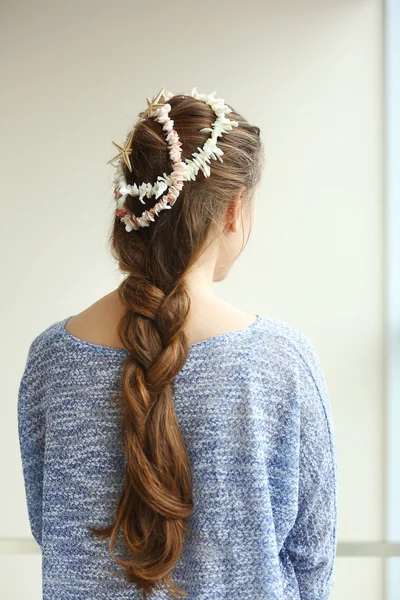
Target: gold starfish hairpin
{"points": [[152, 105], [124, 151]]}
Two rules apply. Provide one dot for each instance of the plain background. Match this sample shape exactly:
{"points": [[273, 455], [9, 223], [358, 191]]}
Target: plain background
{"points": [[310, 75]]}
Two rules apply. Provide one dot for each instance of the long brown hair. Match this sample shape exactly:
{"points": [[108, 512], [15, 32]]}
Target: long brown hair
{"points": [[156, 498]]}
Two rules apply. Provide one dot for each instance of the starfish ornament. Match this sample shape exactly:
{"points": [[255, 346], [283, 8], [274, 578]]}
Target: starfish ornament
{"points": [[124, 151], [158, 101]]}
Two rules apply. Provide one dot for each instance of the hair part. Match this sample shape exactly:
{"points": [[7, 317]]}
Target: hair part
{"points": [[156, 498]]}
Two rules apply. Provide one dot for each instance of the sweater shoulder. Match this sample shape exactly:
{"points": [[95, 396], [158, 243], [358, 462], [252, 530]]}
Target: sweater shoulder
{"points": [[285, 335], [41, 344], [295, 349]]}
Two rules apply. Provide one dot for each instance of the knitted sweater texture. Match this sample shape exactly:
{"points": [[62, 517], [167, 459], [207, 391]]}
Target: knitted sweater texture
{"points": [[256, 418]]}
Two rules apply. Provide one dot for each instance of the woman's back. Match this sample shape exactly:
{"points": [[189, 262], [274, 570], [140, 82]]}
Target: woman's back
{"points": [[255, 416]]}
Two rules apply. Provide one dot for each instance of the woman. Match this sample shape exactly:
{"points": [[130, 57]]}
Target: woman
{"points": [[173, 445]]}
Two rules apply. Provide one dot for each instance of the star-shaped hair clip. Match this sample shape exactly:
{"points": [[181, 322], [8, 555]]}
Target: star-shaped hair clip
{"points": [[124, 152], [153, 105]]}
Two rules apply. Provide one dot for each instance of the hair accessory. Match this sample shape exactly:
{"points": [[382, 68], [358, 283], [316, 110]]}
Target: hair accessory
{"points": [[124, 152], [182, 170], [158, 101]]}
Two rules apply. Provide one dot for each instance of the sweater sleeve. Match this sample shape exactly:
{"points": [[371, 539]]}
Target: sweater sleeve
{"points": [[311, 543], [31, 432]]}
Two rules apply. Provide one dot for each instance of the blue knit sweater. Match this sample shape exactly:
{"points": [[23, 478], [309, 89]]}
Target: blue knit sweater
{"points": [[256, 418]]}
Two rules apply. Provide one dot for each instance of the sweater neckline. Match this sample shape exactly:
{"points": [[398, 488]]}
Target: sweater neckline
{"points": [[122, 351]]}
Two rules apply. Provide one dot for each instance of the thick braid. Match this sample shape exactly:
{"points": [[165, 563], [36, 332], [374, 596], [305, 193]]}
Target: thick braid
{"points": [[158, 477]]}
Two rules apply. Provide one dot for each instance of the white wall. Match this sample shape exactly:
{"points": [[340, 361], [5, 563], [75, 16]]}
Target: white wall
{"points": [[309, 74]]}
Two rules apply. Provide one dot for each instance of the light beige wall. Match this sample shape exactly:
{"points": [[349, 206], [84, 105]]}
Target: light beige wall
{"points": [[309, 74]]}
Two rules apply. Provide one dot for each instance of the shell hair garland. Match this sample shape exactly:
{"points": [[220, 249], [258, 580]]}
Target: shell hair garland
{"points": [[182, 171]]}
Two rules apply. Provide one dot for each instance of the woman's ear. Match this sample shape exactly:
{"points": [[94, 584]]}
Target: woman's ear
{"points": [[234, 213]]}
